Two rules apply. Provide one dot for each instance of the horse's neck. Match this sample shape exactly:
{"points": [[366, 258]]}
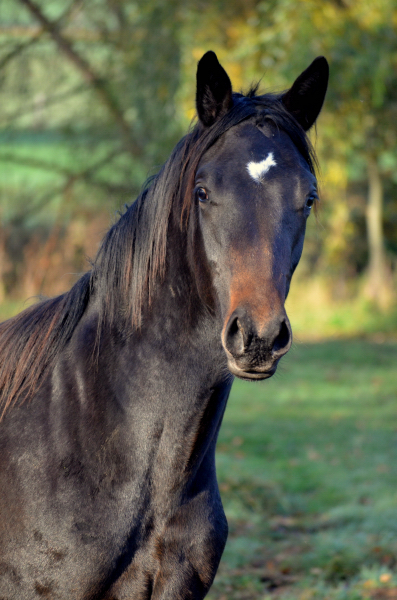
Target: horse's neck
{"points": [[165, 385], [177, 349], [178, 330]]}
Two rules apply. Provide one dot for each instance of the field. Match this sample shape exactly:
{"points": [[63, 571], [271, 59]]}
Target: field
{"points": [[307, 465]]}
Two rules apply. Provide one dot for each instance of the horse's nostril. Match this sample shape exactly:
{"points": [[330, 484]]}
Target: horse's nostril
{"points": [[242, 340], [234, 337], [283, 338]]}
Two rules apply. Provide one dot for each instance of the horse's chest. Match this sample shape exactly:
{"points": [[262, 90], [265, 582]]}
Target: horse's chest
{"points": [[117, 518]]}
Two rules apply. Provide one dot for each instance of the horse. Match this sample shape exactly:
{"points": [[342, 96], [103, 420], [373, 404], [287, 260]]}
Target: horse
{"points": [[112, 394]]}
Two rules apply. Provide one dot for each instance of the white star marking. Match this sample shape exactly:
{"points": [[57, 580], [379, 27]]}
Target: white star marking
{"points": [[258, 169]]}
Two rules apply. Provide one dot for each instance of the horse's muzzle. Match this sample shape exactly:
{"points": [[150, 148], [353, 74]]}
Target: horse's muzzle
{"points": [[254, 354]]}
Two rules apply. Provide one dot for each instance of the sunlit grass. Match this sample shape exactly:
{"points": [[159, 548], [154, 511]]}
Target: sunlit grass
{"points": [[315, 314], [9, 308]]}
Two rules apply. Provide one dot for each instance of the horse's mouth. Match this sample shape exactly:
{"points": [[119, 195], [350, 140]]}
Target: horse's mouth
{"points": [[252, 374]]}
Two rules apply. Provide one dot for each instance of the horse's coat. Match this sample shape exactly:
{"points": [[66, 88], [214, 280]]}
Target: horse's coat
{"points": [[113, 394]]}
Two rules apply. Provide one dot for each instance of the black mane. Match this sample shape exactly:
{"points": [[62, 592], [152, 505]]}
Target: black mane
{"points": [[132, 256]]}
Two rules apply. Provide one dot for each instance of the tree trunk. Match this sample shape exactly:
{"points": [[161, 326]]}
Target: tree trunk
{"points": [[379, 285], [2, 263], [2, 293]]}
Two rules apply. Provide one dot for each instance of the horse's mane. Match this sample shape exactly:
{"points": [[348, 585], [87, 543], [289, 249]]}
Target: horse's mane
{"points": [[132, 256]]}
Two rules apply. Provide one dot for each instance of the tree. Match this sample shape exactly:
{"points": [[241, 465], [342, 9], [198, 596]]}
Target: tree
{"points": [[101, 77]]}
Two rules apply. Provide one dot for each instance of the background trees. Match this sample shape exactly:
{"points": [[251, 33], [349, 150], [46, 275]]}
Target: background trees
{"points": [[94, 94]]}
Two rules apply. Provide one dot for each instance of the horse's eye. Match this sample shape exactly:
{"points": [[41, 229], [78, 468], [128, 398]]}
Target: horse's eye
{"points": [[310, 201], [201, 194]]}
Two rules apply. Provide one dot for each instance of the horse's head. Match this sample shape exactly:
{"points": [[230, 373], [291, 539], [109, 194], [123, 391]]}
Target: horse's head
{"points": [[254, 188]]}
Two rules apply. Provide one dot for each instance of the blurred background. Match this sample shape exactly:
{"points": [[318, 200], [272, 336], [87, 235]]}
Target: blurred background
{"points": [[93, 96], [95, 93]]}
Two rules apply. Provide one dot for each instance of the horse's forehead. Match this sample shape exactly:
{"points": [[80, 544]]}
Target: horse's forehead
{"points": [[253, 150]]}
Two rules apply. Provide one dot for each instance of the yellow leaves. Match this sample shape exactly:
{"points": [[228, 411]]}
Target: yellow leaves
{"points": [[233, 32], [198, 53], [190, 113], [325, 15], [335, 175], [241, 28], [340, 228], [236, 75], [370, 15]]}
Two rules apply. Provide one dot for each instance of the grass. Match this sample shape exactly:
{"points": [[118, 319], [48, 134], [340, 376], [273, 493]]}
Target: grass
{"points": [[307, 466], [9, 308], [316, 314]]}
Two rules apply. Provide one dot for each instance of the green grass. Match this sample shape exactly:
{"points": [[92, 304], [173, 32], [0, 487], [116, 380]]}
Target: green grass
{"points": [[316, 314], [307, 466], [9, 308]]}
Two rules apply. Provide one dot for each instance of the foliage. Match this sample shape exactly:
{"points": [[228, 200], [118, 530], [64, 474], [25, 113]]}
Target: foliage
{"points": [[90, 105]]}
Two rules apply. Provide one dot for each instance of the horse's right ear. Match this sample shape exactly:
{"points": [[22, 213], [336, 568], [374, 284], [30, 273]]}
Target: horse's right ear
{"points": [[306, 97], [214, 90]]}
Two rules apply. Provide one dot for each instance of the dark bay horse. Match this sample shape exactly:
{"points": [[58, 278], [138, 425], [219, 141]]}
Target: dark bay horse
{"points": [[113, 393]]}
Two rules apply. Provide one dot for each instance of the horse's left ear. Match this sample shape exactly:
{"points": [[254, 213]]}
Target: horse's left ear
{"points": [[306, 97], [214, 90]]}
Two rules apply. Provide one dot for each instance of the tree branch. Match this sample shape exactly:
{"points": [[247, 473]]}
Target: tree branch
{"points": [[19, 48], [48, 102], [87, 72], [75, 5], [86, 175]]}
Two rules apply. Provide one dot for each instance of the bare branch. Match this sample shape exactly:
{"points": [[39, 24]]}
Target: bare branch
{"points": [[48, 102], [19, 48], [87, 175], [74, 6], [87, 71]]}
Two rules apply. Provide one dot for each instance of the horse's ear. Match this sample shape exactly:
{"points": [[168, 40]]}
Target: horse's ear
{"points": [[306, 97], [214, 90]]}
